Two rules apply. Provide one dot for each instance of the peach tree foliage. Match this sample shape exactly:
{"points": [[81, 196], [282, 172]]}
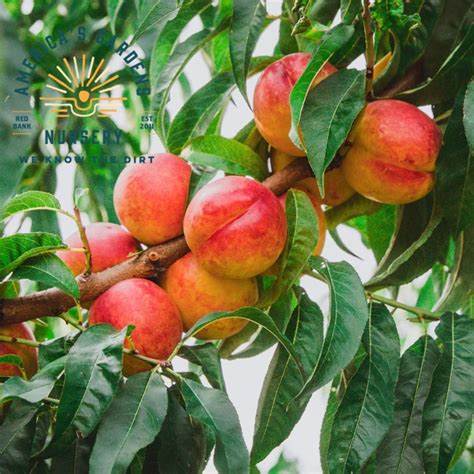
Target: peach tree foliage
{"points": [[387, 411]]}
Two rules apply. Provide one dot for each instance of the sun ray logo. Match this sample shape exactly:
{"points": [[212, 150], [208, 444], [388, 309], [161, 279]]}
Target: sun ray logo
{"points": [[83, 89]]}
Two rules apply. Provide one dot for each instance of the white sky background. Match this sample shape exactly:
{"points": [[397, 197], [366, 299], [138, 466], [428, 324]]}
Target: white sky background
{"points": [[244, 377]]}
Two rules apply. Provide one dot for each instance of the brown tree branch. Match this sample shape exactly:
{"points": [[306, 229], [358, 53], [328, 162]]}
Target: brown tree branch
{"points": [[148, 264]]}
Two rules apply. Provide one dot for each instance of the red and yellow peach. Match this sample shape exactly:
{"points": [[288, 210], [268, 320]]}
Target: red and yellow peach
{"points": [[28, 354]]}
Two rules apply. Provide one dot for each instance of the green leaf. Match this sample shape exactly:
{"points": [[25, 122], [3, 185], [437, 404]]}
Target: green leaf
{"points": [[161, 12], [329, 112], [10, 359], [455, 169], [456, 70], [182, 443], [213, 409], [16, 437], [194, 118], [92, 374], [328, 420], [367, 404], [53, 349], [227, 155], [458, 293], [331, 42], [15, 249], [247, 22], [207, 357], [280, 312], [468, 116], [450, 403], [420, 241], [113, 8], [50, 270], [30, 201], [35, 389], [380, 228], [131, 423], [276, 417], [356, 206], [349, 10], [401, 449], [303, 234], [251, 314], [349, 315], [75, 460]]}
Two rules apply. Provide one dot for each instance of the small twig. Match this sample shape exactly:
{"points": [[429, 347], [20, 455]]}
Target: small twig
{"points": [[70, 320], [369, 50], [18, 340]]}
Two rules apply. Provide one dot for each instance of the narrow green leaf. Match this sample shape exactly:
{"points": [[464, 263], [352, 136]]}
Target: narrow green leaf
{"points": [[16, 437], [275, 417], [349, 315], [131, 423], [401, 449], [50, 270], [182, 443], [455, 169], [113, 8], [212, 408], [367, 404], [227, 155], [30, 201], [254, 315], [332, 41], [92, 374], [207, 357], [35, 389], [247, 22], [15, 249], [450, 403], [329, 112], [468, 116], [75, 460], [161, 12], [349, 10]]}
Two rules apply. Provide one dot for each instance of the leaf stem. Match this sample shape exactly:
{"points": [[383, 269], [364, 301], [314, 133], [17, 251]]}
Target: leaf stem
{"points": [[72, 321], [369, 50], [85, 241]]}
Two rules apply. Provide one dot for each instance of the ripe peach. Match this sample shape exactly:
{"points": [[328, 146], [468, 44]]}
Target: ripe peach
{"points": [[150, 199], [322, 228], [110, 244], [145, 305], [235, 227], [393, 154], [271, 103], [28, 354], [197, 293], [336, 188]]}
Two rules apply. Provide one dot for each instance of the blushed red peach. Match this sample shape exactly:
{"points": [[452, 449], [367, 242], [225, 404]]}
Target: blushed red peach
{"points": [[271, 103], [336, 188], [110, 244], [150, 199], [392, 158], [146, 306], [28, 354], [322, 228], [235, 227], [197, 293]]}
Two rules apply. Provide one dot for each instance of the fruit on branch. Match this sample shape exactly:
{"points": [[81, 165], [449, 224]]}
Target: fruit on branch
{"points": [[146, 306], [271, 103], [28, 354], [197, 293], [392, 158], [322, 228], [235, 227], [150, 199], [336, 188], [110, 244]]}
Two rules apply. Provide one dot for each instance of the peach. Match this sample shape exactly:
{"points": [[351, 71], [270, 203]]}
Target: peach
{"points": [[271, 103], [110, 244], [197, 293], [235, 227], [322, 228], [392, 158], [28, 354], [336, 188], [150, 199], [146, 306]]}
